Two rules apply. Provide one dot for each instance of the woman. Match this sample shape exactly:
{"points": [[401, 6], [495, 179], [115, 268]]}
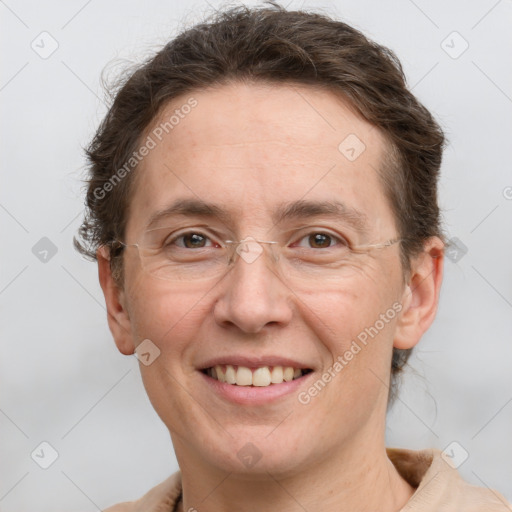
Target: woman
{"points": [[263, 208]]}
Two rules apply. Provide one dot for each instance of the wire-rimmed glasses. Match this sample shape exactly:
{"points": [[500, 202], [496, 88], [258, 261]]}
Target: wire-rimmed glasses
{"points": [[200, 254]]}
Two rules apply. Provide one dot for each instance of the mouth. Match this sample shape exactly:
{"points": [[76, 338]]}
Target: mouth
{"points": [[263, 376]]}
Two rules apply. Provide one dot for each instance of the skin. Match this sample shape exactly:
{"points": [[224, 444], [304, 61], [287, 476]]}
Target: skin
{"points": [[248, 147]]}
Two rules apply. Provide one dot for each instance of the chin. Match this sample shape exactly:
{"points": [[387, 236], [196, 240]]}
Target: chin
{"points": [[253, 451]]}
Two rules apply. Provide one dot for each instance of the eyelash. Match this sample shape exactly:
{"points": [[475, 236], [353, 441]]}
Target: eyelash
{"points": [[333, 237]]}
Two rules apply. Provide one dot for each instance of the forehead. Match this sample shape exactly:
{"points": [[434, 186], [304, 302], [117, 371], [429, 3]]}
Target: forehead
{"points": [[250, 147]]}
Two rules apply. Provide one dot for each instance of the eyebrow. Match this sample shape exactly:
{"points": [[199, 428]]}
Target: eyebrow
{"points": [[189, 208], [305, 209], [300, 209]]}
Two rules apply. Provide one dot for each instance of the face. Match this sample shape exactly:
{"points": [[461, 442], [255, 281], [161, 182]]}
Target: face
{"points": [[252, 151]]}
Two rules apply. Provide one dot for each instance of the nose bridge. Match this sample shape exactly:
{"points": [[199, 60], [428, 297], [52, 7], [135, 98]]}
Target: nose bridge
{"points": [[250, 249], [254, 296]]}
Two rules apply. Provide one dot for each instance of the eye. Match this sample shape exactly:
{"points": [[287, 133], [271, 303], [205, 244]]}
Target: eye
{"points": [[321, 240], [190, 240]]}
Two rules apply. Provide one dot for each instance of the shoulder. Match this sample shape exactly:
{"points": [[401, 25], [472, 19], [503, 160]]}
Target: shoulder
{"points": [[161, 498], [439, 485]]}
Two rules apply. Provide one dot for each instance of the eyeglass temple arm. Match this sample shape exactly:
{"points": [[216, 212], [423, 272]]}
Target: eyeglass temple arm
{"points": [[383, 244]]}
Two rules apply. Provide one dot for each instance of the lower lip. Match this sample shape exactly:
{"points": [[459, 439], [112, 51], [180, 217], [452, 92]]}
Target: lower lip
{"points": [[254, 395]]}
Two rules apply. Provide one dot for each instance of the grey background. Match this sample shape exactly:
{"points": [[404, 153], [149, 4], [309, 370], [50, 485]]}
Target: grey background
{"points": [[62, 380]]}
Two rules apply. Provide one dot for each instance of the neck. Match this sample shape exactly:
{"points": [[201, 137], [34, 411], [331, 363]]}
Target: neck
{"points": [[360, 478]]}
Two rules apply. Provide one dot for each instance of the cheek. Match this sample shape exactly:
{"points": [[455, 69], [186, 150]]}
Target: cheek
{"points": [[358, 346], [356, 323], [171, 320], [166, 315], [348, 306]]}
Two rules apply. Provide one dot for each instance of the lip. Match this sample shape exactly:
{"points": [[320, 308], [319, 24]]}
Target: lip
{"points": [[255, 395], [253, 362]]}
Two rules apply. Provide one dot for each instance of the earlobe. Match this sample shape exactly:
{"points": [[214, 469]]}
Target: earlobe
{"points": [[117, 315], [421, 295]]}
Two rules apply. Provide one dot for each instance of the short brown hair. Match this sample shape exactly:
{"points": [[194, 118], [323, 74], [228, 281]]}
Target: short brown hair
{"points": [[273, 45]]}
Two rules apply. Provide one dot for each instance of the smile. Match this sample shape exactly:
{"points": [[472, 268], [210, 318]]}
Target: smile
{"points": [[260, 377]]}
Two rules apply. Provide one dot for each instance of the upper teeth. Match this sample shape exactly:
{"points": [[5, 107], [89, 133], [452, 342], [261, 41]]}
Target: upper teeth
{"points": [[264, 376]]}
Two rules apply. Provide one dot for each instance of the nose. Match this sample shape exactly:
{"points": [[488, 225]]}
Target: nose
{"points": [[253, 295]]}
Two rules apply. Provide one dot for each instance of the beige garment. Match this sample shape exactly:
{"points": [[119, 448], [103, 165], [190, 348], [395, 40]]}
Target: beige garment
{"points": [[439, 488]]}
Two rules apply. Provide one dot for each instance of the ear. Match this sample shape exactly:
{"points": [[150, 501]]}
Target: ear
{"points": [[118, 318], [421, 295]]}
